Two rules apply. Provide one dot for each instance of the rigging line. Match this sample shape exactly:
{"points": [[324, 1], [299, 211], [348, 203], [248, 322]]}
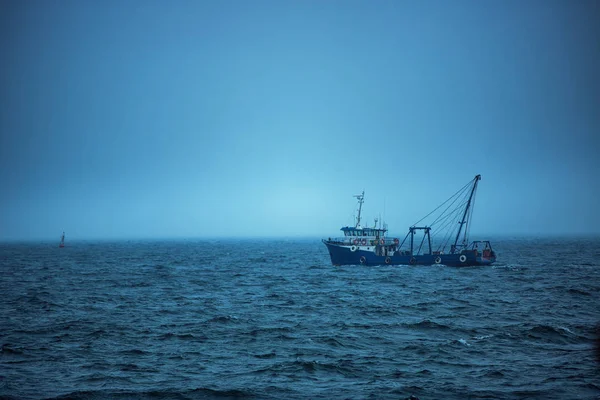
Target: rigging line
{"points": [[421, 245], [406, 237], [448, 220], [455, 197], [452, 214], [444, 212], [468, 227], [445, 223], [461, 205], [459, 190], [352, 215], [468, 221], [453, 231], [444, 228], [449, 233], [451, 218], [464, 220], [447, 239], [450, 223]]}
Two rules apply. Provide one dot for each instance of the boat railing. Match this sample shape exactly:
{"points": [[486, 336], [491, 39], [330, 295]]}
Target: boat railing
{"points": [[342, 241], [358, 240]]}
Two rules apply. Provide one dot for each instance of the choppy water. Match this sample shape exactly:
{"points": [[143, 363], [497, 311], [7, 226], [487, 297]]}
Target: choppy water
{"points": [[273, 319]]}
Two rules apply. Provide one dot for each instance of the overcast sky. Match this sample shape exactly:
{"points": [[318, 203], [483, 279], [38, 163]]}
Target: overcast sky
{"points": [[158, 119]]}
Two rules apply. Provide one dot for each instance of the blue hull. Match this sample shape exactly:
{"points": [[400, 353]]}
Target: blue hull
{"points": [[343, 255]]}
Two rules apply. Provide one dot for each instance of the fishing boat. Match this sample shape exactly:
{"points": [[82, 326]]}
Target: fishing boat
{"points": [[62, 241], [448, 245]]}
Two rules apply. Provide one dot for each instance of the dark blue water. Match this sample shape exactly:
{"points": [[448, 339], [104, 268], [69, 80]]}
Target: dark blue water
{"points": [[273, 319]]}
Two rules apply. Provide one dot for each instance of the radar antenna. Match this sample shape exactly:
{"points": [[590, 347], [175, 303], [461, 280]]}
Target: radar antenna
{"points": [[361, 200]]}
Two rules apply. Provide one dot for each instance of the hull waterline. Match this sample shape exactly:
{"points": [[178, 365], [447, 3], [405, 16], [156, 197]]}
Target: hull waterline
{"points": [[344, 255]]}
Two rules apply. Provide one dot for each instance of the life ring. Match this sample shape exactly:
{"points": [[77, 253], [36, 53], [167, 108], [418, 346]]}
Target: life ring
{"points": [[355, 241], [363, 242], [353, 248], [387, 260], [363, 259], [438, 260], [396, 241], [412, 261], [382, 241], [463, 258]]}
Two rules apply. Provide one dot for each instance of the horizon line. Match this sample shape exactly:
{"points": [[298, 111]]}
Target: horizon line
{"points": [[282, 237]]}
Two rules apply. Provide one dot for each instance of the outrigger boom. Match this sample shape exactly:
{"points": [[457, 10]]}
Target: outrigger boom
{"points": [[370, 246]]}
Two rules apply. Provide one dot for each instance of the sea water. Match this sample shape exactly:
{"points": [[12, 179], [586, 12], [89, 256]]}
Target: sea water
{"points": [[273, 319]]}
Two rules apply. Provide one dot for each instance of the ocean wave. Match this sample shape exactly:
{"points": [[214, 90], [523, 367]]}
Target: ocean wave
{"points": [[130, 367], [181, 336], [553, 334], [293, 329], [510, 267], [192, 394], [105, 378], [134, 352], [493, 373], [97, 333], [343, 367], [223, 319], [7, 348], [330, 341], [54, 329], [482, 337], [579, 292], [266, 355], [547, 329], [272, 332], [258, 260], [427, 324]]}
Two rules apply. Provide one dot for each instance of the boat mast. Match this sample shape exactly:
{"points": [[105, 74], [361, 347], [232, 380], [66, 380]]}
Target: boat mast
{"points": [[477, 179], [361, 200]]}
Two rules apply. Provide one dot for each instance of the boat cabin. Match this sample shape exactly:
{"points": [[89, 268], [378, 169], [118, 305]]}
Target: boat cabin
{"points": [[363, 232]]}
